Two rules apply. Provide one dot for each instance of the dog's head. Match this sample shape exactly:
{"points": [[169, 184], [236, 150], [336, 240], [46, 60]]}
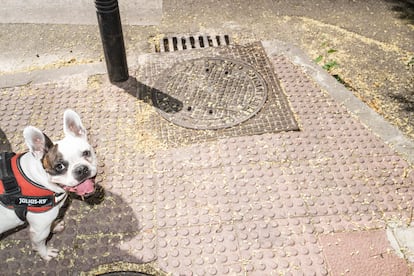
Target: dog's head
{"points": [[69, 163]]}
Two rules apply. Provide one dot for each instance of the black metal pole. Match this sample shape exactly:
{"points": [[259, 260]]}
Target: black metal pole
{"points": [[112, 39]]}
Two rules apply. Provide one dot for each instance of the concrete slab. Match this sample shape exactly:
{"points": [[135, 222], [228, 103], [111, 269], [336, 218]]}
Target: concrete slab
{"points": [[65, 74], [78, 12], [401, 237], [361, 253]]}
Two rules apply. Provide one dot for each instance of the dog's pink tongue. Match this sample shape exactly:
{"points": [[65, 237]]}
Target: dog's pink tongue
{"points": [[86, 187]]}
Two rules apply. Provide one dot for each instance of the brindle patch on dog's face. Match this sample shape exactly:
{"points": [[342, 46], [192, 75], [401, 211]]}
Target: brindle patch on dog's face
{"points": [[54, 163]]}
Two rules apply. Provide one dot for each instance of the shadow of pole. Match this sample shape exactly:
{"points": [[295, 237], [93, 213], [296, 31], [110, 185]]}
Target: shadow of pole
{"points": [[151, 95]]}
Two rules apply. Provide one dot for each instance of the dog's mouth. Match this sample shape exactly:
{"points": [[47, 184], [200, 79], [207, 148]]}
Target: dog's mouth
{"points": [[83, 189]]}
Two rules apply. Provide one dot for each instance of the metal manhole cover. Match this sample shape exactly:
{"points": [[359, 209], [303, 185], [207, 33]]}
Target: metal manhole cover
{"points": [[209, 93]]}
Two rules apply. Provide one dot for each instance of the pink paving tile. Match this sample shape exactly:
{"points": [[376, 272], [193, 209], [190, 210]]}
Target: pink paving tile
{"points": [[362, 253]]}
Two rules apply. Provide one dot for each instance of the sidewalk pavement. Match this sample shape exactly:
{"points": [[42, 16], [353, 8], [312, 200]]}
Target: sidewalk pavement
{"points": [[330, 195], [333, 198]]}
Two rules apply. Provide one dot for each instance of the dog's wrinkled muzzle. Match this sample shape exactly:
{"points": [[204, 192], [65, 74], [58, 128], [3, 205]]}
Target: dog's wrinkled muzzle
{"points": [[84, 188]]}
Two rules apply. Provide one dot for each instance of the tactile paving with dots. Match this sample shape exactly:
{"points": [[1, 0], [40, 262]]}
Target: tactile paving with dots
{"points": [[252, 204], [121, 228]]}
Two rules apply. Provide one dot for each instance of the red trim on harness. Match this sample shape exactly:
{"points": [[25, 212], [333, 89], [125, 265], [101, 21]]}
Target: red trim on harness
{"points": [[28, 188]]}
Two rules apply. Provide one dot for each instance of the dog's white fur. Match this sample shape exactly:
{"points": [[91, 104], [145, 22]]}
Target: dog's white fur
{"points": [[71, 148]]}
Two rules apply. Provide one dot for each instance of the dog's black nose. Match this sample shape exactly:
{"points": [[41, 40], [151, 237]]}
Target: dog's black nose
{"points": [[81, 172]]}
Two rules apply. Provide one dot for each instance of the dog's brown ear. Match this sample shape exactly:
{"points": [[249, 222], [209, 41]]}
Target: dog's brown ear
{"points": [[38, 143], [48, 143]]}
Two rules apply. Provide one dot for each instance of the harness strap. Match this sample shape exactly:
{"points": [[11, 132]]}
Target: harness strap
{"points": [[13, 196], [21, 212], [6, 174], [11, 188]]}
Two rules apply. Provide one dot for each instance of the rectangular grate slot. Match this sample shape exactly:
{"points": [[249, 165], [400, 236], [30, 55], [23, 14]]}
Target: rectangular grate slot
{"points": [[180, 43], [183, 42], [192, 42], [209, 41], [175, 42], [165, 44], [226, 39], [218, 40], [201, 41]]}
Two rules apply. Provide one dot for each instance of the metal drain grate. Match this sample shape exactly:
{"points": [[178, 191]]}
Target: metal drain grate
{"points": [[179, 43]]}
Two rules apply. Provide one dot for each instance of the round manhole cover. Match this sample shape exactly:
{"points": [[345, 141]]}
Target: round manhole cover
{"points": [[209, 93]]}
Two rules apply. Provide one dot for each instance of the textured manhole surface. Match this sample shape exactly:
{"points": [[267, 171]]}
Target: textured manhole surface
{"points": [[210, 93]]}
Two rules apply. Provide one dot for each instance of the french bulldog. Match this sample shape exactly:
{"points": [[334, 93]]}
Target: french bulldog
{"points": [[55, 169]]}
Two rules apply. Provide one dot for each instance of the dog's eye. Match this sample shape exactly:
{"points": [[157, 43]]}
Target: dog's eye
{"points": [[86, 153], [59, 167]]}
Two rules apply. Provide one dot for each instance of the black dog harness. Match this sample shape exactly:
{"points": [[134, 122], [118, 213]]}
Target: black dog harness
{"points": [[20, 193]]}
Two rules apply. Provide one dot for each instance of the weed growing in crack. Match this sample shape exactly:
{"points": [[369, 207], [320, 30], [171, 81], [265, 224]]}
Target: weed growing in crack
{"points": [[329, 64]]}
